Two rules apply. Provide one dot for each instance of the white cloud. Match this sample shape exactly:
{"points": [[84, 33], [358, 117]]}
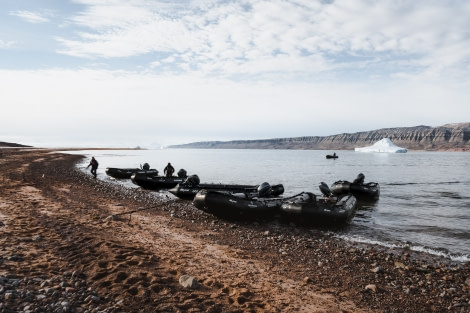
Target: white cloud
{"points": [[31, 17], [6, 44], [272, 36]]}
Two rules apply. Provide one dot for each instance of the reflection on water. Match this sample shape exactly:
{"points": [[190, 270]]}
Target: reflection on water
{"points": [[424, 201]]}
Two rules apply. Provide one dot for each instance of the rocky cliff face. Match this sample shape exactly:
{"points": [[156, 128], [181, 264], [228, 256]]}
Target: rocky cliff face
{"points": [[447, 137], [11, 145]]}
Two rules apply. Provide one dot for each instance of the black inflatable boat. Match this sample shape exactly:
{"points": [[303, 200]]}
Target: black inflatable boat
{"points": [[126, 173], [361, 190], [155, 182], [307, 208], [230, 205], [191, 186]]}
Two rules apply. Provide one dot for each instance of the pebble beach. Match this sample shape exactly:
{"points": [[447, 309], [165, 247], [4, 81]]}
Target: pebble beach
{"points": [[72, 243]]}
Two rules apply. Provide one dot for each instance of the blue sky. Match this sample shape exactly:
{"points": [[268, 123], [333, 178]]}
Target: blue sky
{"points": [[123, 73]]}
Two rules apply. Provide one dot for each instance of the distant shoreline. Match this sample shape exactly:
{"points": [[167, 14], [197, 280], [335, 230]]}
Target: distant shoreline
{"points": [[449, 137], [3, 148]]}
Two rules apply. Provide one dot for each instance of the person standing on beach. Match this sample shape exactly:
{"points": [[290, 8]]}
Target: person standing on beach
{"points": [[94, 166], [169, 170]]}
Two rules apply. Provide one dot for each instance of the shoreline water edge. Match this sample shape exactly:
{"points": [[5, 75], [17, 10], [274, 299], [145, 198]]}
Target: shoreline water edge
{"points": [[76, 244], [417, 212]]}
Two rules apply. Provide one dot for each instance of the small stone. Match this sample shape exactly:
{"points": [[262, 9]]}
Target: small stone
{"points": [[77, 274], [92, 298], [451, 290], [14, 257], [188, 282], [65, 306], [8, 295], [378, 269], [399, 265], [371, 287]]}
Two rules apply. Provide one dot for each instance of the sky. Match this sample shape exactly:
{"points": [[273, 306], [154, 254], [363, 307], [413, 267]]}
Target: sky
{"points": [[148, 73]]}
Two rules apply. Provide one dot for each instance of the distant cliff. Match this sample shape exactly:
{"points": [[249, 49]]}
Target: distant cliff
{"points": [[449, 137], [11, 145]]}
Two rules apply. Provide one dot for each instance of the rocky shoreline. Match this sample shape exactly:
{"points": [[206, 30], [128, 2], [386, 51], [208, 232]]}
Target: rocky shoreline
{"points": [[71, 243]]}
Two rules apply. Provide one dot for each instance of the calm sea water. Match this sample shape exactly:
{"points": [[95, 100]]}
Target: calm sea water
{"points": [[425, 196]]}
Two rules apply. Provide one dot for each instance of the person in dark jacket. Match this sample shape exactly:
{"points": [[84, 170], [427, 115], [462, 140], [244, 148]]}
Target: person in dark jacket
{"points": [[169, 170], [94, 166]]}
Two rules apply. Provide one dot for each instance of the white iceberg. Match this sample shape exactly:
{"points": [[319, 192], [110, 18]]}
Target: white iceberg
{"points": [[383, 145]]}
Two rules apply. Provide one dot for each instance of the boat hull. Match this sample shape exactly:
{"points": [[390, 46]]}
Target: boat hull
{"points": [[125, 173], [369, 191], [232, 206], [307, 209], [155, 182], [187, 192]]}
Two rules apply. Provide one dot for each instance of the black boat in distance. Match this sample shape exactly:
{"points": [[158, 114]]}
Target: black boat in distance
{"points": [[332, 156]]}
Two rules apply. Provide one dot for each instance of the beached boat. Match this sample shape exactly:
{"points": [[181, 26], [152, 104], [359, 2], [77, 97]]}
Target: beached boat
{"points": [[307, 208], [155, 182], [126, 173], [361, 190], [191, 186], [231, 205]]}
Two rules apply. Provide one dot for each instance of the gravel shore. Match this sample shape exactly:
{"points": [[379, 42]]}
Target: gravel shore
{"points": [[71, 243]]}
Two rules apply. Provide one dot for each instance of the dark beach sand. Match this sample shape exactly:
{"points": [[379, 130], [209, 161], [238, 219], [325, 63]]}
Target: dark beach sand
{"points": [[64, 248]]}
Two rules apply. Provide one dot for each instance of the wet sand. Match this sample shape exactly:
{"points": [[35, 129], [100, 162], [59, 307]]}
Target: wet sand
{"points": [[70, 243]]}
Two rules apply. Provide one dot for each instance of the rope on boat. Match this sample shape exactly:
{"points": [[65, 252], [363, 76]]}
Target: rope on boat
{"points": [[116, 216], [282, 199]]}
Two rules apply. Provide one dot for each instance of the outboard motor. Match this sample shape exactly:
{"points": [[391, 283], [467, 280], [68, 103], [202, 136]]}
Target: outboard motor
{"points": [[192, 181], [182, 173], [360, 179], [277, 190], [264, 190], [146, 167], [325, 190]]}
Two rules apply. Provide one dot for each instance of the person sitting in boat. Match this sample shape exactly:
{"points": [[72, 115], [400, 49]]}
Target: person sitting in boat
{"points": [[169, 170], [360, 179], [94, 166]]}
